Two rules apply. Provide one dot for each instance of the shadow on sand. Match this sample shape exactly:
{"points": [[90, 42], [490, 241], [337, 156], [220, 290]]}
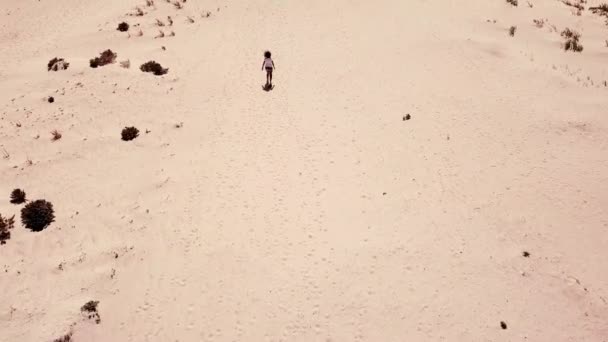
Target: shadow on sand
{"points": [[268, 87]]}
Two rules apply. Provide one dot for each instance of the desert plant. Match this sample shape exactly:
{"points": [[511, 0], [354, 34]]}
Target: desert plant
{"points": [[149, 3], [178, 5], [154, 68], [18, 196], [129, 133], [512, 30], [55, 135], [57, 64], [512, 2], [123, 27], [65, 338], [37, 215], [160, 34], [51, 99], [572, 42], [190, 20], [105, 58], [90, 310], [170, 21], [539, 23], [159, 23], [125, 64], [6, 224]]}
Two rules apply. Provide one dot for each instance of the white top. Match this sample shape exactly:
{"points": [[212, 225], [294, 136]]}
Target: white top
{"points": [[268, 63]]}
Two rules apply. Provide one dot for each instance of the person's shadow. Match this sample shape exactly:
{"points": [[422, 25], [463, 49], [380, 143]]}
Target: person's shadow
{"points": [[268, 87]]}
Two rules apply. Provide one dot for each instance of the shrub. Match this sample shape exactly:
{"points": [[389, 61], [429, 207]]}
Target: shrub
{"points": [[123, 27], [572, 40], [154, 68], [18, 196], [512, 30], [512, 2], [106, 57], [125, 64], [57, 64], [51, 99], [65, 338], [56, 135], [37, 215], [6, 224], [129, 133], [90, 310]]}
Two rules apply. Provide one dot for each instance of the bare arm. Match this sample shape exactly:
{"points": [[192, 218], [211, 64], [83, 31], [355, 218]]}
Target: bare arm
{"points": [[263, 65], [274, 67]]}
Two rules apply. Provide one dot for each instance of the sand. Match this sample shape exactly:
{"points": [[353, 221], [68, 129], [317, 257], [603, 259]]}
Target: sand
{"points": [[312, 212]]}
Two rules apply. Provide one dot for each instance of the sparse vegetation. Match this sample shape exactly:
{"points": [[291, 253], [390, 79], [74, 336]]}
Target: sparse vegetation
{"points": [[125, 64], [160, 34], [159, 23], [601, 10], [57, 64], [170, 21], [18, 196], [123, 27], [190, 20], [572, 42], [65, 338], [149, 3], [51, 99], [178, 5], [539, 22], [512, 30], [154, 68], [37, 215], [55, 135], [105, 58], [90, 310], [129, 133], [6, 224], [512, 2]]}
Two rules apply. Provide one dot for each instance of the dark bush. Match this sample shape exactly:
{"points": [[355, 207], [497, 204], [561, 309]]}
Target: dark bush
{"points": [[572, 40], [512, 30], [51, 99], [18, 196], [154, 68], [37, 215], [129, 133], [123, 27], [90, 310], [6, 224], [57, 64], [106, 57], [65, 338], [512, 2]]}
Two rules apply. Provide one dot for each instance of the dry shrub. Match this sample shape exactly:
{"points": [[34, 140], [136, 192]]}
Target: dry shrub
{"points": [[55, 135], [105, 58], [154, 68], [512, 30], [539, 23], [129, 133], [160, 34], [65, 338], [572, 42], [6, 224], [601, 10], [90, 310], [57, 64], [178, 5], [18, 196], [123, 27], [37, 215], [578, 4], [170, 21], [149, 3], [125, 64], [512, 2], [159, 23], [190, 20]]}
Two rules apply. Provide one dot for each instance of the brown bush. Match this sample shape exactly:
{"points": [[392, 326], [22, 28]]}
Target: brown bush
{"points": [[18, 196], [129, 133], [123, 27], [572, 42], [512, 2], [6, 224], [154, 68], [57, 64], [105, 58], [37, 215]]}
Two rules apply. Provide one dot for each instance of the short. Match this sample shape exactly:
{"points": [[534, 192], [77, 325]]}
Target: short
{"points": [[269, 70]]}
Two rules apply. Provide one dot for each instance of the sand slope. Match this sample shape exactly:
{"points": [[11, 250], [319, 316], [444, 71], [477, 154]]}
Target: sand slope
{"points": [[313, 212]]}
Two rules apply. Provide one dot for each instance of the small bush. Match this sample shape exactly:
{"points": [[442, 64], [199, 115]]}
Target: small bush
{"points": [[6, 224], [105, 58], [572, 42], [51, 99], [37, 215], [55, 135], [18, 196], [154, 68], [512, 30], [125, 64], [57, 64], [65, 338], [123, 27], [129, 133], [512, 2], [539, 23], [90, 310]]}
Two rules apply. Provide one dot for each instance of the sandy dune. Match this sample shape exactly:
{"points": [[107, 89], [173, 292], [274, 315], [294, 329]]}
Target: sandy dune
{"points": [[313, 212]]}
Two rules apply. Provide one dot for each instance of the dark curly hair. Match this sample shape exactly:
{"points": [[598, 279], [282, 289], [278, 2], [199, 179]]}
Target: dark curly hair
{"points": [[267, 54]]}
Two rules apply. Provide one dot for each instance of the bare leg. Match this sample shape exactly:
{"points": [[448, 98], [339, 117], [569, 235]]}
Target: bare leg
{"points": [[270, 76]]}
